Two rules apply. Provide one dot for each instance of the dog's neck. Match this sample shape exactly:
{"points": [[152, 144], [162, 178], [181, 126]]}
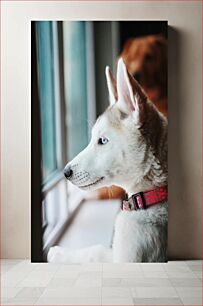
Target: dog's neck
{"points": [[133, 188], [152, 180], [156, 148]]}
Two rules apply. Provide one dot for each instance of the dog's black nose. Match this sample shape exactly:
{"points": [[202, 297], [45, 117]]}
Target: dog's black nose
{"points": [[68, 172]]}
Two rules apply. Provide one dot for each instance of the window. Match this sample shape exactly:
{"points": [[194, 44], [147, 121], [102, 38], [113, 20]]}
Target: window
{"points": [[46, 76], [54, 203], [66, 100], [74, 37], [79, 91]]}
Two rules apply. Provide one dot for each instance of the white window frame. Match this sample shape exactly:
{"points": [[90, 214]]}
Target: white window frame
{"points": [[73, 194]]}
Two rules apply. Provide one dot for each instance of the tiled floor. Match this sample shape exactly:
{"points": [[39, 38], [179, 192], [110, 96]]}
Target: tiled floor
{"points": [[174, 283]]}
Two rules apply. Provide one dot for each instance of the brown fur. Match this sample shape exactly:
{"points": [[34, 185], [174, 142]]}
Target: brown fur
{"points": [[146, 60]]}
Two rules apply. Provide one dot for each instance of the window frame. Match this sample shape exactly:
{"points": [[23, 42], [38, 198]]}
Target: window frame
{"points": [[54, 179], [36, 174], [59, 106]]}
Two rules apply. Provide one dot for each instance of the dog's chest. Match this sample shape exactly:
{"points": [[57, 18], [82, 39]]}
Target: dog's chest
{"points": [[136, 232], [136, 224]]}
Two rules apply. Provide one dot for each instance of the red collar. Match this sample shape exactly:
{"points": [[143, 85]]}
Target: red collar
{"points": [[143, 200]]}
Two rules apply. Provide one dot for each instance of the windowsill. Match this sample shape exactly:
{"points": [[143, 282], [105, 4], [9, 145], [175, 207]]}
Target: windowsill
{"points": [[63, 207], [83, 221], [52, 232], [75, 196], [93, 224], [52, 181]]}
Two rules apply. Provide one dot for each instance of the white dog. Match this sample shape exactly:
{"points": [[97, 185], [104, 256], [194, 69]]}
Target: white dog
{"points": [[128, 148]]}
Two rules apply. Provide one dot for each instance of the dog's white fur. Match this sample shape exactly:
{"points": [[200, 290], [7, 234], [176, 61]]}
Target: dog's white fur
{"points": [[133, 157]]}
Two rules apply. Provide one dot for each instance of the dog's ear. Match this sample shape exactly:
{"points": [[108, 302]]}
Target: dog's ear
{"points": [[131, 97], [111, 83]]}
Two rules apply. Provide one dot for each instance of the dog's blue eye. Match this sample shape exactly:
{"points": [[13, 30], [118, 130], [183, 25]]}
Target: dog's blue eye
{"points": [[102, 140]]}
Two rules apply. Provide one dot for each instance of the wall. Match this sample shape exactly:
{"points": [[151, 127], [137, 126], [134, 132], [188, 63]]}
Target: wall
{"points": [[184, 111]]}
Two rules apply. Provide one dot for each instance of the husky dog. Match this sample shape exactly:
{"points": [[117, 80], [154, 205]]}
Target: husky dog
{"points": [[128, 148]]}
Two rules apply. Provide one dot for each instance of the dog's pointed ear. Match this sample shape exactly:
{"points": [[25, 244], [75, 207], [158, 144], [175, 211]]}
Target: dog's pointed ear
{"points": [[131, 97], [111, 83]]}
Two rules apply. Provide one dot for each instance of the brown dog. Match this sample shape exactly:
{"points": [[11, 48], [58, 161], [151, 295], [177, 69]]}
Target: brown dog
{"points": [[146, 60]]}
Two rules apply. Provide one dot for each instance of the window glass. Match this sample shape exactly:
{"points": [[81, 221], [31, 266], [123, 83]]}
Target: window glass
{"points": [[74, 39], [46, 92]]}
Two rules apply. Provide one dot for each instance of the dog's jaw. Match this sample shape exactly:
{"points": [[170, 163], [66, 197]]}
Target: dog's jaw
{"points": [[92, 185]]}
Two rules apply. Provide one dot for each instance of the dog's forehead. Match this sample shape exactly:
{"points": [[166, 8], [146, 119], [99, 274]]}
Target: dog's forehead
{"points": [[109, 119], [143, 45]]}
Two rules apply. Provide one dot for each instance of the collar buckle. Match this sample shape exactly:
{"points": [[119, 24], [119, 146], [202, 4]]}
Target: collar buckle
{"points": [[139, 201], [143, 200]]}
